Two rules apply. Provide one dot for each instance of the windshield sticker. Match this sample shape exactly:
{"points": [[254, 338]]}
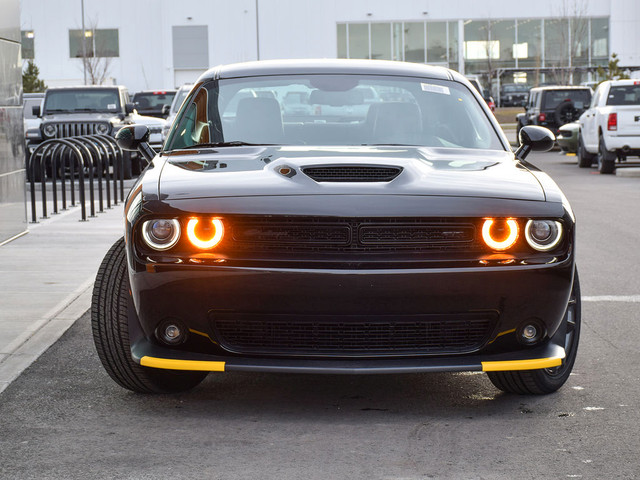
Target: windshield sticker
{"points": [[111, 106], [430, 87]]}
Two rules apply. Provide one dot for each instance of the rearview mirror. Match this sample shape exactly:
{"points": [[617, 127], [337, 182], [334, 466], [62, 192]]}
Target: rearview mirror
{"points": [[165, 110], [35, 110]]}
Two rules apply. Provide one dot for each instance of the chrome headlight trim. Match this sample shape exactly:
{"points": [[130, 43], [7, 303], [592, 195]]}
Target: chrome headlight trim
{"points": [[554, 237], [161, 244]]}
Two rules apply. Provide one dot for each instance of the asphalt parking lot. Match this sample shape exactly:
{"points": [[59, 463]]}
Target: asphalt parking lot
{"points": [[64, 418]]}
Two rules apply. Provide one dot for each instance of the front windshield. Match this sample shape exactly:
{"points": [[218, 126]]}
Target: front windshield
{"points": [[337, 110], [82, 100]]}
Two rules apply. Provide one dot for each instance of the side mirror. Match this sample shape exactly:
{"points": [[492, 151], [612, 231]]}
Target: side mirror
{"points": [[136, 138], [533, 138], [35, 110], [129, 108], [165, 110]]}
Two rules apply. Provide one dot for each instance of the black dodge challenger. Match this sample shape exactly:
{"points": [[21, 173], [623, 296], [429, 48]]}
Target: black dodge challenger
{"points": [[339, 216]]}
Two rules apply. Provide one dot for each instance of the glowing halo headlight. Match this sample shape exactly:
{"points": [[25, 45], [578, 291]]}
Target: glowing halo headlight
{"points": [[205, 244], [507, 237], [543, 235], [161, 233]]}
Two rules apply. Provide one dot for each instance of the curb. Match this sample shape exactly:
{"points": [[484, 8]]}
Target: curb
{"points": [[28, 347]]}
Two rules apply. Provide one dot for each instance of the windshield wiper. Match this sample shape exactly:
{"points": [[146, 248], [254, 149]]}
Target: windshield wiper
{"points": [[235, 143], [56, 110], [84, 109]]}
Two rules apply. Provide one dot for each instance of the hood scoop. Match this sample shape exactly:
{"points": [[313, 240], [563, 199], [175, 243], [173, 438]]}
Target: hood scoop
{"points": [[352, 173]]}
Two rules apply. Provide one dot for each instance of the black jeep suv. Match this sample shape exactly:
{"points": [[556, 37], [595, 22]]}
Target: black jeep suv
{"points": [[552, 107]]}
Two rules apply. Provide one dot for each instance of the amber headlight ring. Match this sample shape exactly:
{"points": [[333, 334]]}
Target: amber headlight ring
{"points": [[543, 235], [161, 233], [509, 234]]}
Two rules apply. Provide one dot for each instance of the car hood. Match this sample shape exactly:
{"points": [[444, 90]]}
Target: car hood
{"points": [[258, 171], [80, 117]]}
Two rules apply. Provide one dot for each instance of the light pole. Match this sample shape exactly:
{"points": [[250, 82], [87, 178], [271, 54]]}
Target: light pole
{"points": [[84, 45], [257, 33]]}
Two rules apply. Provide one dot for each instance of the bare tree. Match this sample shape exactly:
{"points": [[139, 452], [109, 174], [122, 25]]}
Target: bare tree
{"points": [[94, 63], [572, 37]]}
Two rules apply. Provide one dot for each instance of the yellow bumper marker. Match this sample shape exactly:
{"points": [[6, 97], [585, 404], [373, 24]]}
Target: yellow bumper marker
{"points": [[532, 364], [171, 364]]}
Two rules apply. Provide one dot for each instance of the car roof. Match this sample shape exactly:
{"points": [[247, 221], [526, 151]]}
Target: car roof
{"points": [[626, 81], [561, 87], [163, 90], [329, 66], [88, 87]]}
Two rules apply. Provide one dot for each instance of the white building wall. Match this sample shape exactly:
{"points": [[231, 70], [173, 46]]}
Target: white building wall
{"points": [[287, 28], [625, 31]]}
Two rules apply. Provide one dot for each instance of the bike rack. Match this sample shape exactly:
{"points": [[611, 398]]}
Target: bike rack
{"points": [[90, 156]]}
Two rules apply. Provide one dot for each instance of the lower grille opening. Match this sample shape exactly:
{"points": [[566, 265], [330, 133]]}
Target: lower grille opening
{"points": [[351, 335]]}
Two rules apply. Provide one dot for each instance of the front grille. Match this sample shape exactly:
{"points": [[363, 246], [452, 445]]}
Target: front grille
{"points": [[414, 234], [352, 173], [331, 235], [352, 335], [74, 129]]}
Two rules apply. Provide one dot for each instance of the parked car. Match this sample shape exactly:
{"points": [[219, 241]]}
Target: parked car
{"points": [[610, 128], [413, 240], [171, 112], [514, 94], [151, 102], [87, 110], [486, 94], [554, 106], [568, 137]]}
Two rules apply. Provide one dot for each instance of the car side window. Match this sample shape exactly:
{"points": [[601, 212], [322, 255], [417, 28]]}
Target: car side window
{"points": [[596, 97]]}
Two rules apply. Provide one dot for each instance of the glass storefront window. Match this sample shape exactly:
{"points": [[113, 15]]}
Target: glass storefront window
{"points": [[528, 48], [27, 44], [556, 42], [381, 41], [358, 40], [342, 40], [75, 43], [437, 43], [414, 42], [503, 34], [488, 45], [98, 43], [106, 42], [599, 41]]}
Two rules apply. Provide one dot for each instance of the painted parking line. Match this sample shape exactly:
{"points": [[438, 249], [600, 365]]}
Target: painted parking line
{"points": [[612, 298]]}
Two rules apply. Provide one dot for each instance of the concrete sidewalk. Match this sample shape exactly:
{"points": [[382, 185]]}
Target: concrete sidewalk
{"points": [[46, 278]]}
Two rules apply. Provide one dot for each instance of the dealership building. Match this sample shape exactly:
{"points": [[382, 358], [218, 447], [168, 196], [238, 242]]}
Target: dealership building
{"points": [[157, 44]]}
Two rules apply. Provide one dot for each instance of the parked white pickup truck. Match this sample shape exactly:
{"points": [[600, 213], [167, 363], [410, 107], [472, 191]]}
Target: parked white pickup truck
{"points": [[610, 128]]}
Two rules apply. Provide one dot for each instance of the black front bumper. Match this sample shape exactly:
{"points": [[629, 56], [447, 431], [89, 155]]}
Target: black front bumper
{"points": [[194, 294]]}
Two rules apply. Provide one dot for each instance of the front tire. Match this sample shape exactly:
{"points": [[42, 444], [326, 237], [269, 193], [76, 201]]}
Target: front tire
{"points": [[111, 307], [547, 380]]}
